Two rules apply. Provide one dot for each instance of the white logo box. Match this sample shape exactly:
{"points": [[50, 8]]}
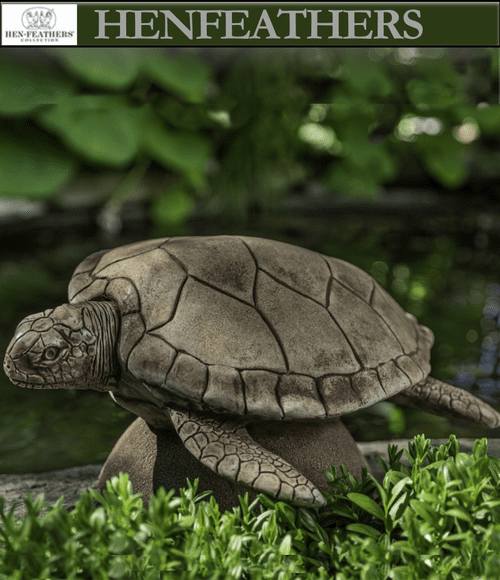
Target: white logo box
{"points": [[39, 24]]}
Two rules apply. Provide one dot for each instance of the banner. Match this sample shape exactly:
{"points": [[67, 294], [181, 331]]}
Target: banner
{"points": [[251, 24]]}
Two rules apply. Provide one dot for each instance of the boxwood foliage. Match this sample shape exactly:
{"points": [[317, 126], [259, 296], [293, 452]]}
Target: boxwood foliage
{"points": [[438, 518]]}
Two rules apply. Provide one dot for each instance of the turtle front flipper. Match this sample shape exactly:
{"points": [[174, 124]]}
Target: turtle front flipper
{"points": [[442, 399], [226, 448]]}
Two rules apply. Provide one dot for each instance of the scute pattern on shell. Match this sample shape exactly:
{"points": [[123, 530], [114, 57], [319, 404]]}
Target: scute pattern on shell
{"points": [[254, 327]]}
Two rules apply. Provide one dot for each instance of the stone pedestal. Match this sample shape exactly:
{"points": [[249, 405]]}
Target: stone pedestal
{"points": [[156, 457]]}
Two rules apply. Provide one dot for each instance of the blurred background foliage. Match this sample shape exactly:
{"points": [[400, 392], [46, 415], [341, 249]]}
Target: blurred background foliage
{"points": [[235, 131], [388, 158]]}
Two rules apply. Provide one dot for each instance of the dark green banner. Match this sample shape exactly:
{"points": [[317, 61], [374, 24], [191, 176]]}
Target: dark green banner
{"points": [[251, 24], [291, 24]]}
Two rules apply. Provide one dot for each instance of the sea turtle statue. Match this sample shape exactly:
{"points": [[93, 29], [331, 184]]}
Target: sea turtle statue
{"points": [[217, 332]]}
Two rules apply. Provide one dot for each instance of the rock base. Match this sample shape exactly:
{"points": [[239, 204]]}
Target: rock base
{"points": [[156, 457]]}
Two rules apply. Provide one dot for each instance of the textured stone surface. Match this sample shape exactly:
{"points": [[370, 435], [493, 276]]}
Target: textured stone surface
{"points": [[156, 457], [299, 398], [218, 329], [189, 323], [261, 395], [127, 251], [352, 277], [253, 305], [250, 303], [311, 340], [157, 273], [304, 271], [363, 326], [396, 319], [225, 389], [447, 401], [71, 482], [151, 359], [226, 264], [125, 294], [228, 450]]}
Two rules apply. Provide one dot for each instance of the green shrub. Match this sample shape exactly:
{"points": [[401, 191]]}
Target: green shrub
{"points": [[438, 521]]}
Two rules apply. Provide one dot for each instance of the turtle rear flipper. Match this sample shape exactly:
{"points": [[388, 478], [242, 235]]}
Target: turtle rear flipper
{"points": [[442, 399], [226, 448]]}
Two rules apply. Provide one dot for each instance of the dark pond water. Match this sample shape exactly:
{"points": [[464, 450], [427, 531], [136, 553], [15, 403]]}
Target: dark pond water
{"points": [[442, 266]]}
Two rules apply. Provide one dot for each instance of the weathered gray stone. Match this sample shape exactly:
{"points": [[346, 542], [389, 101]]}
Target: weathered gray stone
{"points": [[84, 288], [261, 395], [410, 368], [225, 390], [312, 342], [304, 271], [363, 326], [132, 329], [71, 482], [225, 333], [220, 330], [123, 252], [187, 377], [352, 277], [151, 359], [227, 265], [366, 385], [157, 457], [395, 318], [392, 378], [299, 398], [125, 294], [338, 394], [162, 277]]}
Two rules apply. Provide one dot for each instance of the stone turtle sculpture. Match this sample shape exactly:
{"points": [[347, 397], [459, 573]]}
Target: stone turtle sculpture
{"points": [[217, 332]]}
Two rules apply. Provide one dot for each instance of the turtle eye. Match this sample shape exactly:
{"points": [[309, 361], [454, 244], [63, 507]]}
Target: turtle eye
{"points": [[50, 353]]}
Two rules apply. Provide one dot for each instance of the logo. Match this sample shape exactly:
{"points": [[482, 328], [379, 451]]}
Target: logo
{"points": [[32, 25], [39, 19]]}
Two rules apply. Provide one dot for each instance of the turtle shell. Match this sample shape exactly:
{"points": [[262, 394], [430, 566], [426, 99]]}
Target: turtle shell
{"points": [[254, 327]]}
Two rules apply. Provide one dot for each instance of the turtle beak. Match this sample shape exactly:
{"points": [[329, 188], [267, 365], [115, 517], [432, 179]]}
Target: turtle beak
{"points": [[16, 358], [17, 377], [9, 367]]}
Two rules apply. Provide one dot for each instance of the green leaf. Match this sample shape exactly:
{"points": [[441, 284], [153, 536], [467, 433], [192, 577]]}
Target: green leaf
{"points": [[367, 79], [119, 567], [172, 208], [31, 164], [287, 514], [432, 93], [397, 490], [438, 85], [363, 529], [460, 513], [480, 448], [110, 68], [442, 156], [184, 152], [101, 128], [183, 75], [425, 511], [98, 518], [285, 547], [366, 503], [119, 543], [26, 87]]}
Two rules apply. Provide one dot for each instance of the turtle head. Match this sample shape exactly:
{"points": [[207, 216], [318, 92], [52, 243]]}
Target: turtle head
{"points": [[72, 346]]}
